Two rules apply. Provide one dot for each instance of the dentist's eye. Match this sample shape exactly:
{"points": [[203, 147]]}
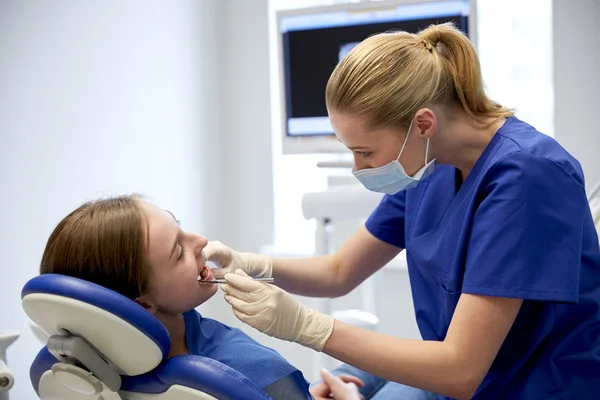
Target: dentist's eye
{"points": [[364, 154]]}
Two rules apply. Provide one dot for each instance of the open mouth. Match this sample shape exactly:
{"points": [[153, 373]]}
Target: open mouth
{"points": [[205, 274]]}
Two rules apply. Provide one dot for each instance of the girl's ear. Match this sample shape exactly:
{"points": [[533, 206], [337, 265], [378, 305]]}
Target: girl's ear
{"points": [[146, 303]]}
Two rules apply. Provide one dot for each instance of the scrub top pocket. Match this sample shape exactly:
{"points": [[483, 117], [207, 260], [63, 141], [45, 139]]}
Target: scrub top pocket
{"points": [[449, 300]]}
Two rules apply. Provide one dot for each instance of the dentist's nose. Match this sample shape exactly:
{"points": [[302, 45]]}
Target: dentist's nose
{"points": [[359, 163]]}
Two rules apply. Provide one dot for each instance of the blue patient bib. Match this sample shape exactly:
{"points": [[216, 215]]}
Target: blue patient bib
{"points": [[209, 338]]}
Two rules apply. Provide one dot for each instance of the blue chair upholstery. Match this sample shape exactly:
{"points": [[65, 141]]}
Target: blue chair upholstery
{"points": [[129, 341]]}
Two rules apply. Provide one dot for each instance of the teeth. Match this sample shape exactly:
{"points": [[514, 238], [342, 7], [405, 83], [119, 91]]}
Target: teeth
{"points": [[204, 273]]}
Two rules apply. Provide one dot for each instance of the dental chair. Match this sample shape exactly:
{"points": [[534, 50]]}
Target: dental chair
{"points": [[102, 345]]}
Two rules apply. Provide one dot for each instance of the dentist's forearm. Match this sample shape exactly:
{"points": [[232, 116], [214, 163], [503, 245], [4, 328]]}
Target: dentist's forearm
{"points": [[428, 365], [338, 273], [313, 277]]}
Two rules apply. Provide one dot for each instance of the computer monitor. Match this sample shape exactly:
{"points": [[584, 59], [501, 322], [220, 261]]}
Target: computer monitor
{"points": [[312, 41]]}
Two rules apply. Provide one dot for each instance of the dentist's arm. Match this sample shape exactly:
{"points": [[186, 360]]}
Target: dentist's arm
{"points": [[336, 274], [454, 367], [327, 276]]}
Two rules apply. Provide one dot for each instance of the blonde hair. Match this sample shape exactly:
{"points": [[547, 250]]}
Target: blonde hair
{"points": [[389, 76]]}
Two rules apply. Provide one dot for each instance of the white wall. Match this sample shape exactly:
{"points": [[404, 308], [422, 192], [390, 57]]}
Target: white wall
{"points": [[577, 81], [170, 99], [246, 159], [99, 98]]}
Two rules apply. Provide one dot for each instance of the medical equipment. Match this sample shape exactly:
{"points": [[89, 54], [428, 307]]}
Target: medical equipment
{"points": [[266, 280], [7, 380], [324, 35], [339, 203], [103, 345]]}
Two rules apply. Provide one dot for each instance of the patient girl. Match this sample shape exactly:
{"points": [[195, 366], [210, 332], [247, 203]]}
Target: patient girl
{"points": [[139, 250]]}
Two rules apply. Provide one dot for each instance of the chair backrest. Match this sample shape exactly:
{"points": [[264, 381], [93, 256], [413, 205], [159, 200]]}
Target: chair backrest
{"points": [[100, 342]]}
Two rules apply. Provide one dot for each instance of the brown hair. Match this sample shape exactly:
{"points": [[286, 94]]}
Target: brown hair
{"points": [[103, 242], [389, 76]]}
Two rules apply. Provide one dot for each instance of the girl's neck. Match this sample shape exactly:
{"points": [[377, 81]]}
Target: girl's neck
{"points": [[175, 325]]}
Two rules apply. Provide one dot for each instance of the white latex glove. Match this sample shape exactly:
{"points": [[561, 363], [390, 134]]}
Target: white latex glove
{"points": [[275, 312], [229, 260]]}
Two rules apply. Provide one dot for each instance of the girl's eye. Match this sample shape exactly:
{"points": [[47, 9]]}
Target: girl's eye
{"points": [[182, 252]]}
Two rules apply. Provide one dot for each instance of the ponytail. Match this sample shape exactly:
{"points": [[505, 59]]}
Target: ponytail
{"points": [[389, 76], [460, 69]]}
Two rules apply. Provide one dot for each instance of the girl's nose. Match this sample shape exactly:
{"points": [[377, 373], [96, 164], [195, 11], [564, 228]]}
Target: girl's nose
{"points": [[201, 243]]}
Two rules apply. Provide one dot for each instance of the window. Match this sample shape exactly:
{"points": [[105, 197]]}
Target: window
{"points": [[515, 48]]}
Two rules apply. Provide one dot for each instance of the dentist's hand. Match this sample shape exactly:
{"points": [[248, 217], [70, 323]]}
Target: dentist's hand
{"points": [[255, 265], [275, 312]]}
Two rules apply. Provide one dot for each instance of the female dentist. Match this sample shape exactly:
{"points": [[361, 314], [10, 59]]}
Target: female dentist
{"points": [[503, 257]]}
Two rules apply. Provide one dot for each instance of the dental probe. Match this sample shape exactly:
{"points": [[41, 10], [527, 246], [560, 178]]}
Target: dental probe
{"points": [[266, 280]]}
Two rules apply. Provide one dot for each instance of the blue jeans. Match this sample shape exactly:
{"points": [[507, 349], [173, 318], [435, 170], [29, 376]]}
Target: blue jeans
{"points": [[379, 389], [292, 387]]}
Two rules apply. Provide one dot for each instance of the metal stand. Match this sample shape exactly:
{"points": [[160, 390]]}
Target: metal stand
{"points": [[7, 380], [341, 203]]}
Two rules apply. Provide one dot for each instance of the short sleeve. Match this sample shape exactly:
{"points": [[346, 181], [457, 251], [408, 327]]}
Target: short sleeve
{"points": [[526, 238], [386, 222]]}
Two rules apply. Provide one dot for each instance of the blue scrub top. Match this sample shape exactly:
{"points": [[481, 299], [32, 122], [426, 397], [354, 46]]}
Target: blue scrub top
{"points": [[519, 226]]}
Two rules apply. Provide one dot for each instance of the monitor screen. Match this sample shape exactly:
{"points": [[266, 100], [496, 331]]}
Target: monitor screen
{"points": [[313, 41]]}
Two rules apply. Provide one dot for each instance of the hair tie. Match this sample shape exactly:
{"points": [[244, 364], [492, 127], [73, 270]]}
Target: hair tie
{"points": [[427, 45]]}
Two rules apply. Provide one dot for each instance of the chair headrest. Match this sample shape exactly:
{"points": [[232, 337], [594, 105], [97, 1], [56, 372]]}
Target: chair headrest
{"points": [[130, 338]]}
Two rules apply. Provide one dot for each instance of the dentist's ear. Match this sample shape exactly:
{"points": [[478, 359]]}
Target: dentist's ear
{"points": [[426, 123]]}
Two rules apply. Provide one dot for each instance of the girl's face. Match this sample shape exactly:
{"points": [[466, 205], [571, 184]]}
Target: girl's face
{"points": [[176, 261]]}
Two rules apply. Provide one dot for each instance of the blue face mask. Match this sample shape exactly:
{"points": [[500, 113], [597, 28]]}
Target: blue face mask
{"points": [[392, 178]]}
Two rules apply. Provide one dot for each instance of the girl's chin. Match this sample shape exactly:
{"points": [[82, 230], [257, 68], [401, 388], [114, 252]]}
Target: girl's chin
{"points": [[206, 292]]}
